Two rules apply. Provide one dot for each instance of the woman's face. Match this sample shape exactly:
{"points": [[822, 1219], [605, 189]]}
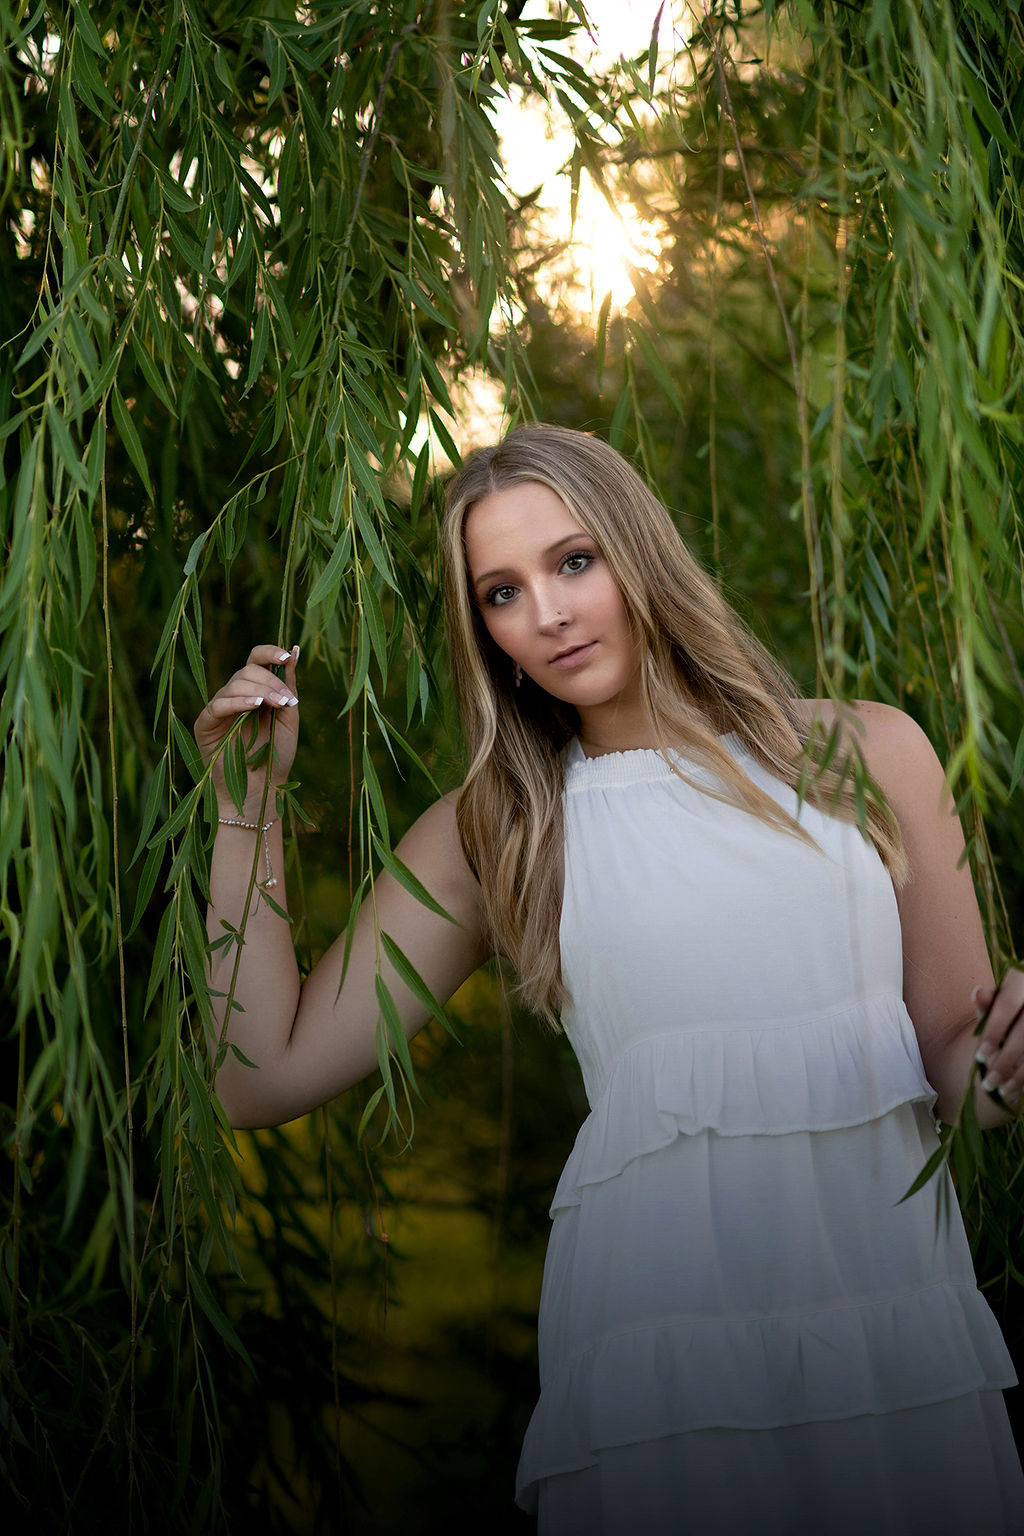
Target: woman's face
{"points": [[549, 600]]}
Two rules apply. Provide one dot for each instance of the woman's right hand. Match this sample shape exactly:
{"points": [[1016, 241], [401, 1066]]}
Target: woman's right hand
{"points": [[253, 687]]}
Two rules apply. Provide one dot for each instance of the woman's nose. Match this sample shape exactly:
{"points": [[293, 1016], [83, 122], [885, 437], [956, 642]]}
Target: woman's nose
{"points": [[551, 613]]}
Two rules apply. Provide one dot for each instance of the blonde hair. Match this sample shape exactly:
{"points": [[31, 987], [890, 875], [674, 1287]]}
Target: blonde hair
{"points": [[702, 672]]}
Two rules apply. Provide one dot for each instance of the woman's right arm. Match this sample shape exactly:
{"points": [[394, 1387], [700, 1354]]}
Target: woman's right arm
{"points": [[307, 1043]]}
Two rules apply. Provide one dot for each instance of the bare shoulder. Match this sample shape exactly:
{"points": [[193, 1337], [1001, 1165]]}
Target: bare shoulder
{"points": [[437, 821], [896, 751], [433, 851]]}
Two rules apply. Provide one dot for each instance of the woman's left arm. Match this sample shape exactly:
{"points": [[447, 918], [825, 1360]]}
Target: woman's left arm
{"points": [[947, 977]]}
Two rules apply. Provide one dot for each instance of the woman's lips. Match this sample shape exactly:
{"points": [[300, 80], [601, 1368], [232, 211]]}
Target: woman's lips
{"points": [[574, 658]]}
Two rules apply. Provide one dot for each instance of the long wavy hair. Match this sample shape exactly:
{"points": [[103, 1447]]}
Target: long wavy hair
{"points": [[702, 672]]}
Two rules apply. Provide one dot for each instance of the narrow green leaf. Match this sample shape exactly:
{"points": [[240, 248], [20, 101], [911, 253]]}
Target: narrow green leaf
{"points": [[933, 1166], [419, 481], [417, 986], [39, 336], [183, 811], [396, 1032], [85, 25], [130, 438], [601, 337], [369, 1111], [380, 810], [1018, 762], [652, 51], [328, 582], [200, 1289], [66, 449], [194, 655], [372, 544], [258, 351], [236, 771], [360, 668], [160, 966], [195, 550], [445, 438], [393, 864], [147, 883], [374, 617], [186, 744], [153, 806]]}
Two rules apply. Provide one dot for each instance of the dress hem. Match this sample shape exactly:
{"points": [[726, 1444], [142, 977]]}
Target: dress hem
{"points": [[526, 1488]]}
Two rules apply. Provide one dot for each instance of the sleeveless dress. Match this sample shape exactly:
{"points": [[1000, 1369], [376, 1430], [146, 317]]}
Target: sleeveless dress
{"points": [[741, 1327]]}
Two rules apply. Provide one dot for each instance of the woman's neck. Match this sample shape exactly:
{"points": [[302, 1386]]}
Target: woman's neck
{"points": [[602, 731], [617, 743], [615, 729]]}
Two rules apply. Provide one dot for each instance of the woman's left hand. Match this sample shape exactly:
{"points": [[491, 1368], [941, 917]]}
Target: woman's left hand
{"points": [[1000, 1047]]}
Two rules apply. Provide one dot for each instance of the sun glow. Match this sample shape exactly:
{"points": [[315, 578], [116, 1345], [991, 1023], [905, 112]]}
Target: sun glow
{"points": [[606, 243], [579, 262], [590, 258]]}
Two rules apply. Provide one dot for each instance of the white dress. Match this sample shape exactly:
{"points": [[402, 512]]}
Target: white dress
{"points": [[741, 1329]]}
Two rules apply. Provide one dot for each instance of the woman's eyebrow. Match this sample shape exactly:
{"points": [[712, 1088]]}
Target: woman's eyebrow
{"points": [[552, 549]]}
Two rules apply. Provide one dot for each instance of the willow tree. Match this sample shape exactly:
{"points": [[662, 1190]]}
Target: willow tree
{"points": [[246, 254]]}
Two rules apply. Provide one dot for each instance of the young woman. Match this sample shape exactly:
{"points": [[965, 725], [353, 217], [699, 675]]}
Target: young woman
{"points": [[741, 1326]]}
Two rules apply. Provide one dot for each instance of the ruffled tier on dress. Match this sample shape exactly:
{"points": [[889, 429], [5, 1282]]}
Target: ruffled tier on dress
{"points": [[815, 1074]]}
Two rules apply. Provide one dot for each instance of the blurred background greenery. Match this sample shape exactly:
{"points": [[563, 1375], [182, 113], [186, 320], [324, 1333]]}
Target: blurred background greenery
{"points": [[265, 272]]}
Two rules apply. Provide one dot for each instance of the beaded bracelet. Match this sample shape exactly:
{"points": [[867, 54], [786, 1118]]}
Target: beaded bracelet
{"points": [[254, 826]]}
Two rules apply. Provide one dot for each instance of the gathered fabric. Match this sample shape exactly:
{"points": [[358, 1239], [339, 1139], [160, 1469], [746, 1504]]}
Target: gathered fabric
{"points": [[736, 1296]]}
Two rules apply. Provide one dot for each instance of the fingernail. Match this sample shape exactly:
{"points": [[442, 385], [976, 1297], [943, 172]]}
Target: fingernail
{"points": [[1010, 1095], [991, 1081], [983, 1052], [286, 657], [257, 701], [296, 650], [293, 700]]}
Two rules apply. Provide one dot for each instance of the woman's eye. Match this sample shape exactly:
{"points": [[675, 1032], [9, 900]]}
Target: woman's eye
{"points": [[498, 596], [577, 562]]}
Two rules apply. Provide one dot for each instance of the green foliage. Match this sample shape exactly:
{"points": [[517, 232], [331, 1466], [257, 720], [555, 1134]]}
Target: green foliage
{"points": [[246, 254]]}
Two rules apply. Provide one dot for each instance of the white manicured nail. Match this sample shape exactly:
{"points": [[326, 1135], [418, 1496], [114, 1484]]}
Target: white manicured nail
{"points": [[255, 702], [286, 657], [991, 1081], [983, 1053]]}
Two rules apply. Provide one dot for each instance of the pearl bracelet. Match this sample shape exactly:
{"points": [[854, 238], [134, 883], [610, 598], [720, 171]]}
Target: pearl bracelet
{"points": [[254, 826]]}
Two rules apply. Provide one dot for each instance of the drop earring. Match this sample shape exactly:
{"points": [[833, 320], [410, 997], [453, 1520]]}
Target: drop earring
{"points": [[517, 674]]}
